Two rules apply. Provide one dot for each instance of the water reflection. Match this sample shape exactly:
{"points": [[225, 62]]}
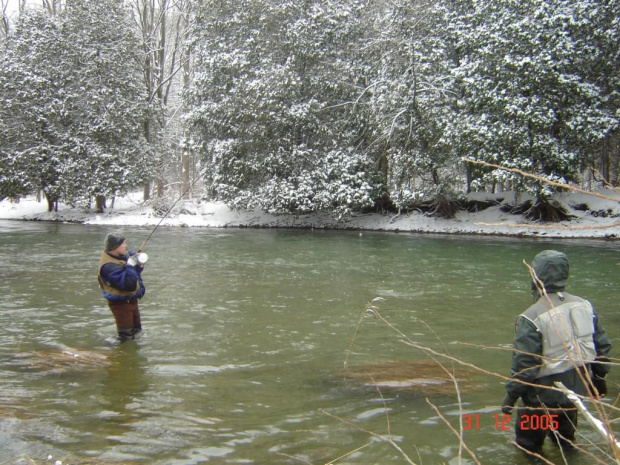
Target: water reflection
{"points": [[125, 382]]}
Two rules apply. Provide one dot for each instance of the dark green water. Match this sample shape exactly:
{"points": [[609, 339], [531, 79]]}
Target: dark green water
{"points": [[246, 336]]}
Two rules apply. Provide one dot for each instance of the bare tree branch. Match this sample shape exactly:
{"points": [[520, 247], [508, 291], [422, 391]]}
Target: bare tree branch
{"points": [[540, 178]]}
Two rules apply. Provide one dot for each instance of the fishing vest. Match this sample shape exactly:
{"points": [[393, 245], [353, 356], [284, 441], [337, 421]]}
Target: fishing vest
{"points": [[567, 330], [106, 287]]}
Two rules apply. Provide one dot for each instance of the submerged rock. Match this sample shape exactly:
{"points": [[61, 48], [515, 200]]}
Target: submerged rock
{"points": [[424, 377], [60, 360]]}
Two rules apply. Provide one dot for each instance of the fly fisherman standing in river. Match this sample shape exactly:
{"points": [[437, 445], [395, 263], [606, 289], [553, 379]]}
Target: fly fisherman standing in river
{"points": [[121, 283], [559, 338]]}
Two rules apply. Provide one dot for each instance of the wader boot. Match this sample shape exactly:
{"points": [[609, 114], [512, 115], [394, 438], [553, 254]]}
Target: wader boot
{"points": [[125, 334], [136, 332]]}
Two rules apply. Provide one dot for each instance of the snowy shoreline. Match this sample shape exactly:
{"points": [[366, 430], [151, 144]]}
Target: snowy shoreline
{"points": [[594, 217]]}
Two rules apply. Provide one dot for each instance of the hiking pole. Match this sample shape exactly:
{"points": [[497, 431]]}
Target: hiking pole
{"points": [[169, 210]]}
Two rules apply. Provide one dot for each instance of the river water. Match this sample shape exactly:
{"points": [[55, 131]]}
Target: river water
{"points": [[246, 337]]}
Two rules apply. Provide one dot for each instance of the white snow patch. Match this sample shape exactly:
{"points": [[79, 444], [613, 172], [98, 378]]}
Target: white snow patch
{"points": [[600, 219]]}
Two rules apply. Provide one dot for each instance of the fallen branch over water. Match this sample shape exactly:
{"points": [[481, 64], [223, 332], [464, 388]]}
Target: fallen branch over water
{"points": [[559, 226], [541, 179]]}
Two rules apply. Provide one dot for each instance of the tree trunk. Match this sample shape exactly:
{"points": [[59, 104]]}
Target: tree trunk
{"points": [[99, 203], [52, 203], [186, 176]]}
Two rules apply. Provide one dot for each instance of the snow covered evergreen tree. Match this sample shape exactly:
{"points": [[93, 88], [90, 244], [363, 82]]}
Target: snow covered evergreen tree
{"points": [[298, 106], [270, 106], [32, 144], [411, 97], [533, 86], [75, 104], [108, 109]]}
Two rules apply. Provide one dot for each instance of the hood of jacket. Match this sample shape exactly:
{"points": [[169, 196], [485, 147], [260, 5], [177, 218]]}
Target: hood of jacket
{"points": [[551, 267]]}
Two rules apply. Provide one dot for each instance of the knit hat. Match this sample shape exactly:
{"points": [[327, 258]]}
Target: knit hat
{"points": [[113, 241]]}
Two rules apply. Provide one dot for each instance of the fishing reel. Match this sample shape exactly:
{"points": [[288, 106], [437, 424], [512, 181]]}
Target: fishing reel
{"points": [[138, 259]]}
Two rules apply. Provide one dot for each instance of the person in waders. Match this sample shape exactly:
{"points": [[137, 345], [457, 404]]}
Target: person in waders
{"points": [[120, 280], [559, 338]]}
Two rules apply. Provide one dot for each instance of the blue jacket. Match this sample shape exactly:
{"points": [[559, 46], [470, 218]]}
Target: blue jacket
{"points": [[116, 274]]}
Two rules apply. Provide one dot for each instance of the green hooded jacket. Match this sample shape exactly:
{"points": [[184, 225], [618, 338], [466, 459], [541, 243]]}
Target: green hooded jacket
{"points": [[551, 268]]}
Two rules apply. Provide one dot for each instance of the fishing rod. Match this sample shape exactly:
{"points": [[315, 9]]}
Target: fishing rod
{"points": [[169, 210]]}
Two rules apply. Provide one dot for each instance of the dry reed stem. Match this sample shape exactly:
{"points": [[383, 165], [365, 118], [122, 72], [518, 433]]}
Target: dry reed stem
{"points": [[559, 437], [582, 448], [67, 460], [594, 401], [613, 361], [331, 462], [458, 434], [533, 454], [298, 459], [431, 353], [19, 457], [385, 410], [457, 390], [451, 375], [477, 368], [370, 307], [380, 437]]}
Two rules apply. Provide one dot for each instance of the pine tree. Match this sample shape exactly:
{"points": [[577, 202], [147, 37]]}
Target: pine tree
{"points": [[33, 143], [75, 104], [412, 97], [531, 96], [106, 102], [271, 106]]}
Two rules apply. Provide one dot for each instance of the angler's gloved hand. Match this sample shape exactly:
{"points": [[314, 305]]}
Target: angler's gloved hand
{"points": [[138, 260], [600, 385], [508, 403]]}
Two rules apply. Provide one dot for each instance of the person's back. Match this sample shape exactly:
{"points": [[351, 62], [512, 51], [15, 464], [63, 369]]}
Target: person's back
{"points": [[558, 338]]}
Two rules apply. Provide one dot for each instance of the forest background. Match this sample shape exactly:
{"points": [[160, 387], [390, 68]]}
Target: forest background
{"points": [[295, 106]]}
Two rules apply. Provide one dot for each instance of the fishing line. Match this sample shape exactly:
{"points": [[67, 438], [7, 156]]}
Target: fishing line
{"points": [[170, 209]]}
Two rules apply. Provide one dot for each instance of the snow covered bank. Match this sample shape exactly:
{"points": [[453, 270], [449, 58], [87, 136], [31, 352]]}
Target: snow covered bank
{"points": [[594, 217]]}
